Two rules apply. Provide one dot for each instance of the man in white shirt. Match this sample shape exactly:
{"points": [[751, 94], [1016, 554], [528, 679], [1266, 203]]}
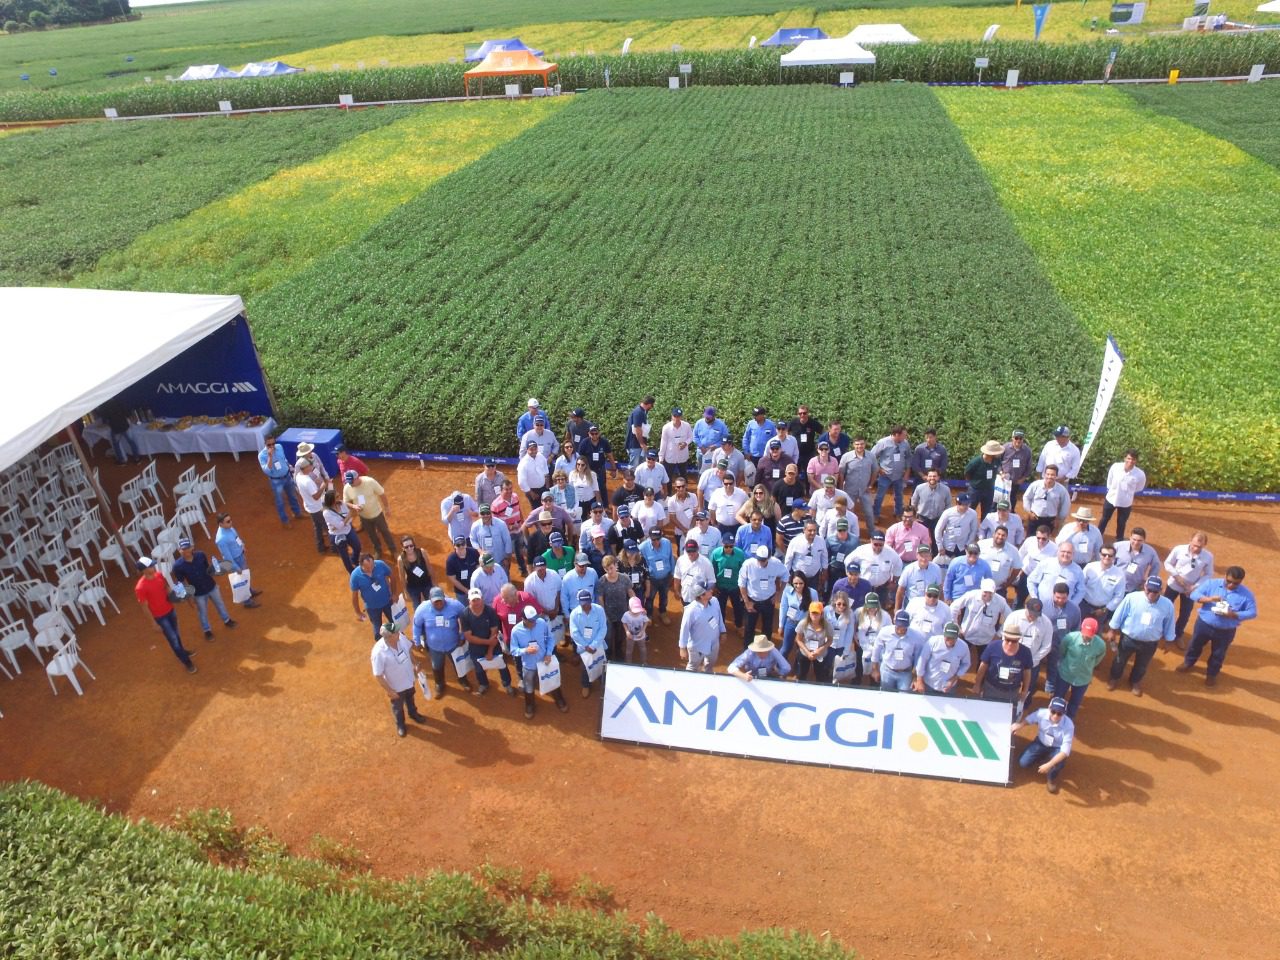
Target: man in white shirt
{"points": [[880, 567], [542, 436], [674, 444], [681, 506], [1125, 480], [1035, 631], [1060, 452], [531, 473], [807, 554], [980, 614], [1033, 552], [458, 511], [312, 490], [956, 528], [760, 580], [1002, 558], [693, 572], [392, 661], [928, 613], [651, 474], [723, 504]]}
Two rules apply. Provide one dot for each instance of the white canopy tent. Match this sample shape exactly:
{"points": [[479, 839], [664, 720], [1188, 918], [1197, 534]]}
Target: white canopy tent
{"points": [[208, 71], [1273, 6], [835, 51], [74, 350], [873, 33]]}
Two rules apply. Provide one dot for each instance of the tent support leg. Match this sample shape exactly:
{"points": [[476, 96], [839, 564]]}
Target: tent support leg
{"points": [[107, 516]]}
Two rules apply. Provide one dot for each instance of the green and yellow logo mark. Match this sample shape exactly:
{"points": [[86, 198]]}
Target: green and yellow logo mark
{"points": [[952, 738]]}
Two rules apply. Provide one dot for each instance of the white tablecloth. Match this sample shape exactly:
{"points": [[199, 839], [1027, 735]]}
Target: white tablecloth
{"points": [[199, 438]]}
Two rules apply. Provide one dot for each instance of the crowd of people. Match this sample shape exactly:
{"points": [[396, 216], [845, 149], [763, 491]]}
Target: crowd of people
{"points": [[777, 541]]}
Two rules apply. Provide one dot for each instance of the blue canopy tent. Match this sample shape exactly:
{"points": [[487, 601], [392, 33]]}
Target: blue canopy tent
{"points": [[791, 36], [486, 48]]}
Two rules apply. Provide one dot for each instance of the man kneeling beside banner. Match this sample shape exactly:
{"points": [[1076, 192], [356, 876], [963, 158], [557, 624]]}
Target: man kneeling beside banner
{"points": [[808, 723]]}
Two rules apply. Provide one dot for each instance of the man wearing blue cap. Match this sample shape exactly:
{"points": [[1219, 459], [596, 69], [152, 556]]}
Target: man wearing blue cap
{"points": [[626, 528], [771, 467], [852, 584], [589, 631], [192, 566], [708, 434], [488, 482], [759, 582], [1143, 619], [660, 563], [956, 528], [894, 656], [1055, 732], [436, 623], [675, 443], [599, 455], [880, 567], [577, 428], [757, 432]]}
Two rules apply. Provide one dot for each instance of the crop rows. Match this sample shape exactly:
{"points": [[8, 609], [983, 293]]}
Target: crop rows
{"points": [[1248, 116], [728, 245], [928, 62], [1156, 232], [253, 239], [70, 194]]}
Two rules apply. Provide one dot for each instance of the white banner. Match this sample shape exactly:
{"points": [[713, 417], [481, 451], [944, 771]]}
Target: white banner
{"points": [[809, 723], [1112, 367]]}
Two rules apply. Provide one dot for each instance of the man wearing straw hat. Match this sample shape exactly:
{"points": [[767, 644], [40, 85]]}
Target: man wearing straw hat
{"points": [[760, 660], [981, 473], [1084, 536]]}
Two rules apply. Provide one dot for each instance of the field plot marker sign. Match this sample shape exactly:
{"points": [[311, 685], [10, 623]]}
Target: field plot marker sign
{"points": [[673, 83], [110, 113], [686, 69], [346, 99], [1255, 72], [981, 63], [224, 106], [808, 723], [1011, 79]]}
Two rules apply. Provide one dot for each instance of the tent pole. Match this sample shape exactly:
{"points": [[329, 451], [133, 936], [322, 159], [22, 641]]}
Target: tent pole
{"points": [[97, 489]]}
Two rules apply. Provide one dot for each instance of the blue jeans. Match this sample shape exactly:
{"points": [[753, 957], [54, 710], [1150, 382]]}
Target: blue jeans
{"points": [[788, 636], [376, 615], [1219, 640], [658, 588], [899, 680], [478, 652], [404, 699], [1036, 754], [883, 483], [118, 441], [169, 624], [635, 456], [202, 607], [1073, 698], [281, 488], [349, 549]]}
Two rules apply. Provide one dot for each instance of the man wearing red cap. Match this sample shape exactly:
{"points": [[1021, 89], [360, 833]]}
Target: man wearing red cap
{"points": [[1078, 657]]}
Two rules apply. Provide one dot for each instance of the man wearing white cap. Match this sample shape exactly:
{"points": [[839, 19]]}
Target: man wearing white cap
{"points": [[1004, 669], [392, 662], [1084, 537], [531, 642], [482, 630], [192, 566], [759, 582], [759, 661], [152, 590], [894, 656], [702, 629], [1055, 732], [980, 614], [525, 422]]}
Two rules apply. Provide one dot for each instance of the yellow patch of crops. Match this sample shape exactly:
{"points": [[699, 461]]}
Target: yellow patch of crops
{"points": [[252, 240]]}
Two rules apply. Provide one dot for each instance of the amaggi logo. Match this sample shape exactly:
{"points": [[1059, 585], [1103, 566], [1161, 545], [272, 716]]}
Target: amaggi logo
{"points": [[953, 737], [206, 387]]}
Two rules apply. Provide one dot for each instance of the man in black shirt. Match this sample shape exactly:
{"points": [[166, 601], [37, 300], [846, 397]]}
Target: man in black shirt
{"points": [[807, 431], [461, 564], [482, 630]]}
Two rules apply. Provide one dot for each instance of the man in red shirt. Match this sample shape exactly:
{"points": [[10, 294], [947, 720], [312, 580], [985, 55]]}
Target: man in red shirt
{"points": [[509, 606], [152, 590], [348, 462]]}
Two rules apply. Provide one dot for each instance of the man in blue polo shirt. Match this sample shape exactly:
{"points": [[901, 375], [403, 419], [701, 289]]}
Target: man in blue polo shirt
{"points": [[757, 433], [192, 566], [589, 631], [272, 460], [660, 562], [708, 434], [1055, 732], [531, 642], [435, 623], [1224, 603], [375, 583]]}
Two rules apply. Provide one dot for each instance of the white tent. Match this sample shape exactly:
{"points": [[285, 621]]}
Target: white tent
{"points": [[1273, 6], [836, 51], [208, 71], [271, 68], [76, 349], [871, 33]]}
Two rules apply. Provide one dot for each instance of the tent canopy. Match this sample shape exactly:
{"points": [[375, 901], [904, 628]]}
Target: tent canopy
{"points": [[505, 63], [80, 348], [1273, 6], [838, 51], [271, 68], [208, 71], [486, 48], [869, 33], [791, 36]]}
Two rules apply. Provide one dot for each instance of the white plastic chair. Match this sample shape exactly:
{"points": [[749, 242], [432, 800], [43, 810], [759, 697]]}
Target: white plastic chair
{"points": [[9, 593], [151, 520], [53, 554], [94, 594], [191, 511], [163, 553], [51, 629], [111, 552], [132, 495], [64, 664], [10, 517], [185, 483], [37, 591], [43, 499], [66, 596], [72, 572], [207, 487], [13, 637], [86, 535], [149, 480], [15, 558]]}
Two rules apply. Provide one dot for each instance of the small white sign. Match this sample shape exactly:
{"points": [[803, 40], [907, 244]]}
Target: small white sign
{"points": [[110, 113], [513, 89], [846, 78], [686, 68], [346, 99], [224, 106], [1255, 72], [1011, 79], [673, 83], [982, 62]]}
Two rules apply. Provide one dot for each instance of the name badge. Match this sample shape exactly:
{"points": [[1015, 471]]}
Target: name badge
{"points": [[440, 621], [595, 455], [762, 674], [376, 587], [990, 474], [1061, 623], [897, 457], [659, 565], [360, 500], [1147, 619], [908, 545], [928, 463], [418, 571], [899, 656], [1132, 567], [588, 631], [1004, 673], [776, 473], [812, 645], [511, 619], [488, 540], [968, 579], [239, 542], [1015, 463], [464, 575], [635, 578]]}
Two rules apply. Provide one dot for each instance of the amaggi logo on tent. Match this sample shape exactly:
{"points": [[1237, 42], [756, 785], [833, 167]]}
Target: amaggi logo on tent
{"points": [[953, 737], [206, 387]]}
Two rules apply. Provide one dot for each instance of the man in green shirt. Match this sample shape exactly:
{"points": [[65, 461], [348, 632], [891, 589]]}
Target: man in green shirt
{"points": [[1080, 653], [727, 560]]}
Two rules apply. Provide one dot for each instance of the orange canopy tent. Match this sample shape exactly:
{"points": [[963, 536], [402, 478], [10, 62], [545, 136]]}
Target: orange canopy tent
{"points": [[501, 63]]}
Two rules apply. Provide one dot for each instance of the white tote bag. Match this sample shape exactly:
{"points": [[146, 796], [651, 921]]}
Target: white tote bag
{"points": [[240, 587], [846, 666], [461, 658], [557, 629], [594, 664], [400, 614], [423, 686], [548, 676], [494, 663]]}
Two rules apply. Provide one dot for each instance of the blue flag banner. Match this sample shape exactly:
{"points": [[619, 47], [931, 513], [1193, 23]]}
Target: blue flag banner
{"points": [[1041, 11], [217, 376]]}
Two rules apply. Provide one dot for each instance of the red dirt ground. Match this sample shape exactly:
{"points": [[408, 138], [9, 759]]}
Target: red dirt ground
{"points": [[1162, 843]]}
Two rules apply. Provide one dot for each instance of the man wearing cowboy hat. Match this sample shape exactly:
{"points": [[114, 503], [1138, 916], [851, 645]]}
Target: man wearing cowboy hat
{"points": [[1084, 536], [312, 486], [981, 473], [760, 660]]}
